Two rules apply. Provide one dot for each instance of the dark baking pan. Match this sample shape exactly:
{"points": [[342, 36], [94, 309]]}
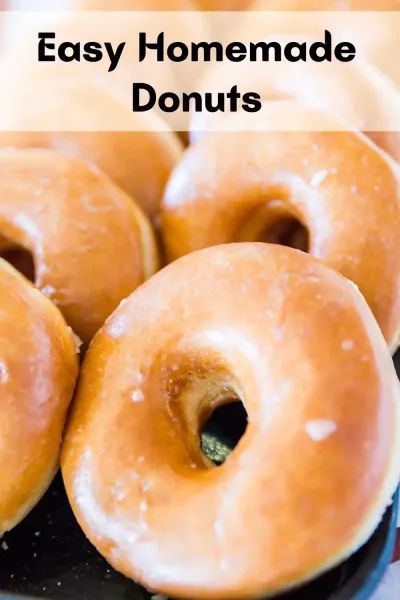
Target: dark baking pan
{"points": [[47, 556]]}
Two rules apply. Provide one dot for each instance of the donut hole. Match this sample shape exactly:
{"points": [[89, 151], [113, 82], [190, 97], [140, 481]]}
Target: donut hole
{"points": [[223, 430], [21, 259], [275, 223], [286, 232]]}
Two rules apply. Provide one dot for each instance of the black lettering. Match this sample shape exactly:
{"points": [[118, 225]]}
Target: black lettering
{"points": [[198, 102], [236, 52], [175, 102], [265, 51], [233, 96], [144, 46], [137, 105], [65, 55], [302, 51], [252, 102], [114, 55], [93, 52], [206, 49], [325, 46], [210, 106], [345, 52], [182, 49], [42, 46]]}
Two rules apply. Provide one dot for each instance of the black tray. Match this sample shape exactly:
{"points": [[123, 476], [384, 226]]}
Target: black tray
{"points": [[47, 556]]}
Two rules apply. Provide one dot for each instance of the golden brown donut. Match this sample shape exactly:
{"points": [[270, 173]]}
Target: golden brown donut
{"points": [[38, 369], [90, 244], [140, 162], [272, 327], [338, 185]]}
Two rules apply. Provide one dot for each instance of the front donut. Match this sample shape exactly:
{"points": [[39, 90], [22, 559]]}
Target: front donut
{"points": [[310, 479], [38, 370]]}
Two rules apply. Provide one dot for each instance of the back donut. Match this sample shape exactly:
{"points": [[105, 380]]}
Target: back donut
{"points": [[91, 245], [341, 188]]}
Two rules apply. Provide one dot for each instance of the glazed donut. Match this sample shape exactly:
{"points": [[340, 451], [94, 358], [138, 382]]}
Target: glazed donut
{"points": [[338, 185], [91, 245], [232, 322], [38, 370], [139, 160]]}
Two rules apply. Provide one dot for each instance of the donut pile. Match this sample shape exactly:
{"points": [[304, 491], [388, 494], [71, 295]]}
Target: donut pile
{"points": [[280, 289]]}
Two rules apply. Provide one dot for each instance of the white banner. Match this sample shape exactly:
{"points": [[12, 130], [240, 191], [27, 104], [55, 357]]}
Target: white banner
{"points": [[127, 71]]}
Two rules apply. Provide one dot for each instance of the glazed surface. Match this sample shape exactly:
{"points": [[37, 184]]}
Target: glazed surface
{"points": [[38, 370], [318, 462], [91, 245], [341, 188]]}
